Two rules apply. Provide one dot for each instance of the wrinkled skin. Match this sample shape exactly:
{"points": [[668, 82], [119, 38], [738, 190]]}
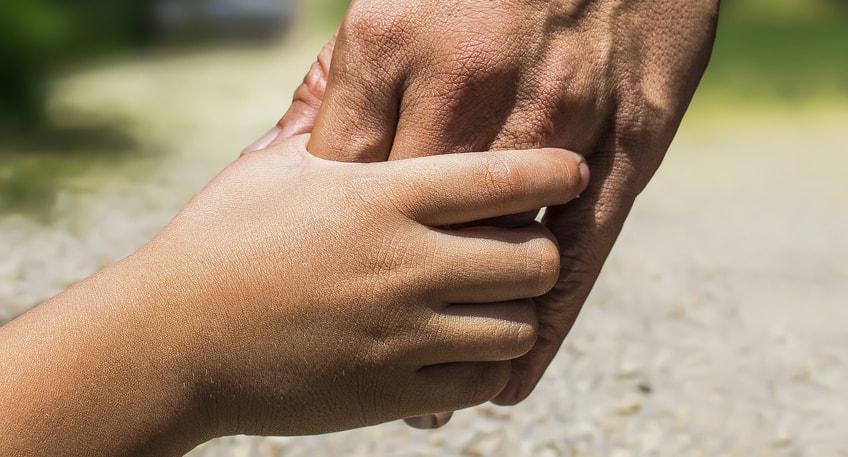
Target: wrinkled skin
{"points": [[292, 295], [610, 79]]}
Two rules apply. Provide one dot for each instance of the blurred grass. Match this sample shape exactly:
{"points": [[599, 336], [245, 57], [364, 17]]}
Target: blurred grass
{"points": [[42, 37], [782, 55], [36, 165], [323, 16]]}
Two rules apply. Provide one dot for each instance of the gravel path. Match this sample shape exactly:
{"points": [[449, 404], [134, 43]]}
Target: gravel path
{"points": [[717, 328]]}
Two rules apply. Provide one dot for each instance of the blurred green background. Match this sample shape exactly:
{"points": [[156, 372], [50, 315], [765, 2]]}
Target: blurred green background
{"points": [[788, 52], [770, 55], [38, 38]]}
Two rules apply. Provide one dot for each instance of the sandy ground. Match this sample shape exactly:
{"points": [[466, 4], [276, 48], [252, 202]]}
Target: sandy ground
{"points": [[716, 329]]}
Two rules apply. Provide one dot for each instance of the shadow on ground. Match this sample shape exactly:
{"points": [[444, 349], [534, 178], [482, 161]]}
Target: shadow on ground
{"points": [[36, 164]]}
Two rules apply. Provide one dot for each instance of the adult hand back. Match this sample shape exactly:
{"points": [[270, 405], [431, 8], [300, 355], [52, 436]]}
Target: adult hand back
{"points": [[610, 79]]}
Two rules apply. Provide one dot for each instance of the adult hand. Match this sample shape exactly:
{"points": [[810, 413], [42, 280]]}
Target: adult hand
{"points": [[610, 79], [293, 295]]}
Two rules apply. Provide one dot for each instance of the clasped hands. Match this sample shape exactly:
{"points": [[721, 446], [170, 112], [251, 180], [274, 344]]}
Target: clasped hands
{"points": [[610, 79], [298, 295]]}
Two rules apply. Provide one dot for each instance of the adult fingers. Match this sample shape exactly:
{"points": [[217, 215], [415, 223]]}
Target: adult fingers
{"points": [[357, 119], [467, 187], [628, 157], [586, 230]]}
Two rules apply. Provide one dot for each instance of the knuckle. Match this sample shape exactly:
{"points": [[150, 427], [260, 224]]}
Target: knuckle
{"points": [[528, 129], [472, 54], [499, 179], [316, 79], [325, 56], [472, 63], [381, 31], [472, 81]]}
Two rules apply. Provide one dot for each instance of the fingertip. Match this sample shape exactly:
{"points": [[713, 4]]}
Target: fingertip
{"points": [[582, 167], [264, 141], [510, 395], [567, 160], [585, 175]]}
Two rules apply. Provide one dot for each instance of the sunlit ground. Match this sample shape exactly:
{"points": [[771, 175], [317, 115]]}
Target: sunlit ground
{"points": [[725, 295]]}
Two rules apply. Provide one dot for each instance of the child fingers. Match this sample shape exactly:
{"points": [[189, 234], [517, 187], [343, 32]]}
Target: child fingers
{"points": [[487, 264], [479, 333], [459, 188], [455, 386]]}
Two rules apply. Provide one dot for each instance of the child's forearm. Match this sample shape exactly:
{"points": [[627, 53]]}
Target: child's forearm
{"points": [[95, 371]]}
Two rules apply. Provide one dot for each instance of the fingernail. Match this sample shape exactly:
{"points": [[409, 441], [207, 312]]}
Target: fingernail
{"points": [[510, 391], [585, 176], [443, 418], [429, 421], [263, 142]]}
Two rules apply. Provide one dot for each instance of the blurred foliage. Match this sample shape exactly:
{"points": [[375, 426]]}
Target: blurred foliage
{"points": [[31, 36], [35, 166], [779, 51], [37, 37], [324, 15]]}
